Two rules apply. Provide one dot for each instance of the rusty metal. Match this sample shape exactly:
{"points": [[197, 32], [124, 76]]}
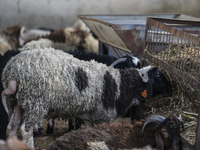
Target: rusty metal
{"points": [[128, 29], [164, 36], [191, 77]]}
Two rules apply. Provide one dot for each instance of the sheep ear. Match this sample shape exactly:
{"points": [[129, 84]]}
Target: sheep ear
{"points": [[158, 139]]}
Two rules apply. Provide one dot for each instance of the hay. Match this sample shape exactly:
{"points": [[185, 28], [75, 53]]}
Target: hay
{"points": [[182, 100], [185, 58]]}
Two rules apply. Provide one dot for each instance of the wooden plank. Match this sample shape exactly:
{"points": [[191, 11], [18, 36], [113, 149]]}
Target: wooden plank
{"points": [[127, 50], [106, 33]]}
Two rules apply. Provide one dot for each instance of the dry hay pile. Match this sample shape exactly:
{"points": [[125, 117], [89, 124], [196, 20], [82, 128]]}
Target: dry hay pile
{"points": [[182, 101], [183, 57]]}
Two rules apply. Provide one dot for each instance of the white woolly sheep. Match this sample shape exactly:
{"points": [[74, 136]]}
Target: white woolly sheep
{"points": [[53, 84], [46, 43], [73, 37]]}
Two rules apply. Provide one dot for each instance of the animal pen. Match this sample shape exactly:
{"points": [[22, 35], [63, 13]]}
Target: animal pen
{"points": [[172, 45]]}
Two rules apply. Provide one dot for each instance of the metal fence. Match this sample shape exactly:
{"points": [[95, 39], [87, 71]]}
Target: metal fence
{"points": [[174, 45]]}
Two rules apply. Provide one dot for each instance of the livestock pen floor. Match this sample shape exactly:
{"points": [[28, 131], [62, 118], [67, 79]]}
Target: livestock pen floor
{"points": [[44, 142]]}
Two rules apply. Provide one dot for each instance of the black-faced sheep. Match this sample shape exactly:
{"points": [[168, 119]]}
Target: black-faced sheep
{"points": [[3, 115], [53, 84], [156, 131], [10, 38], [120, 63]]}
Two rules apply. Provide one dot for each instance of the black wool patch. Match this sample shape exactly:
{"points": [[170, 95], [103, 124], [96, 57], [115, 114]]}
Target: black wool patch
{"points": [[130, 88], [81, 79], [109, 90]]}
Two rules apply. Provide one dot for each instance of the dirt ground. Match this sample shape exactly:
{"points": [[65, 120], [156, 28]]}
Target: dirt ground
{"points": [[60, 128]]}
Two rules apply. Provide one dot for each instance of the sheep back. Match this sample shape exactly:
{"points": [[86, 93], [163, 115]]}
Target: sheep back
{"points": [[54, 84]]}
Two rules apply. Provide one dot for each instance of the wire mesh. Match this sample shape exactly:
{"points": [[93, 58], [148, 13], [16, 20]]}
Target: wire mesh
{"points": [[170, 44]]}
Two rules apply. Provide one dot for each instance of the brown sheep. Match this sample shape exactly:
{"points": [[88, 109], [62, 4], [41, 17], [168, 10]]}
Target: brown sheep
{"points": [[73, 37], [10, 38], [121, 136]]}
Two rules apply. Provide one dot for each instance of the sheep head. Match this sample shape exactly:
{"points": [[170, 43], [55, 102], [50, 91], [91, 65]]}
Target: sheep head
{"points": [[166, 132]]}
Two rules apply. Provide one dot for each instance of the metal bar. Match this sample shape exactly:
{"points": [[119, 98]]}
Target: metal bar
{"points": [[93, 19], [183, 57], [146, 35], [179, 58], [174, 31], [166, 47], [175, 21], [156, 46], [173, 70], [148, 42], [162, 47], [177, 54], [172, 45]]}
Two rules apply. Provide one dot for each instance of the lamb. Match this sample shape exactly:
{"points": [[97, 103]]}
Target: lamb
{"points": [[53, 84], [156, 131], [11, 38]]}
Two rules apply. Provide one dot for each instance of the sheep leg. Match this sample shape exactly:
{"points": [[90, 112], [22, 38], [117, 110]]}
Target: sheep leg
{"points": [[11, 89], [27, 136], [87, 120], [15, 121]]}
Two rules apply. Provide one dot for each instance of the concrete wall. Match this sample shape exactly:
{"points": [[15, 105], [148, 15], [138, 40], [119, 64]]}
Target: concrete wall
{"points": [[62, 13]]}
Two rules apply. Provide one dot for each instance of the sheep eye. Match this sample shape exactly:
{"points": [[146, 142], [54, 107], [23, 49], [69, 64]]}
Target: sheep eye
{"points": [[163, 131], [142, 75]]}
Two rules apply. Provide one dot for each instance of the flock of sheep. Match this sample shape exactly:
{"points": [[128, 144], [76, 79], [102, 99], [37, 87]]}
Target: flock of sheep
{"points": [[60, 74]]}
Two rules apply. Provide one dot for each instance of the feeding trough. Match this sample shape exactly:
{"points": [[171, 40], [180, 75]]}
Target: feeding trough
{"points": [[122, 34]]}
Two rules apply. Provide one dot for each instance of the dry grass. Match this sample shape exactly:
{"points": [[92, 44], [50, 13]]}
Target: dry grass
{"points": [[183, 101]]}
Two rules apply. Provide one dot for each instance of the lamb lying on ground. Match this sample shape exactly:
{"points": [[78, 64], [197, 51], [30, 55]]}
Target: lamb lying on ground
{"points": [[156, 131]]}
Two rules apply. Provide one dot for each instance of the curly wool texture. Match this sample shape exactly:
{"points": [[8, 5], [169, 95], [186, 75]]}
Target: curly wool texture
{"points": [[46, 43], [114, 135], [47, 88]]}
